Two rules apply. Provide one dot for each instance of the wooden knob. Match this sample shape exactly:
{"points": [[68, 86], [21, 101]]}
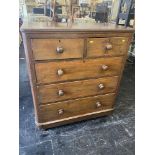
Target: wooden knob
{"points": [[61, 92], [59, 50], [108, 46], [104, 67], [60, 72], [98, 104], [101, 86], [60, 111]]}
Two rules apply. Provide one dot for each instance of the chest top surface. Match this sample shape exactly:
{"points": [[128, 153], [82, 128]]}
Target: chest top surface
{"points": [[29, 26]]}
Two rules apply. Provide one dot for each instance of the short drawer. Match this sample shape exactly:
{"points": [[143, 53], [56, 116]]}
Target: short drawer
{"points": [[44, 49], [113, 46], [72, 90], [71, 108], [75, 70]]}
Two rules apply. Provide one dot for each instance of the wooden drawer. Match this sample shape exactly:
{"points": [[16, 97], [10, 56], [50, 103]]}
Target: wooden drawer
{"points": [[44, 49], [72, 90], [71, 108], [75, 70], [114, 46]]}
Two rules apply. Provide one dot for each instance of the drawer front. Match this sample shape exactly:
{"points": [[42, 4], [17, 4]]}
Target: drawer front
{"points": [[44, 49], [106, 46], [60, 110], [72, 90], [74, 70]]}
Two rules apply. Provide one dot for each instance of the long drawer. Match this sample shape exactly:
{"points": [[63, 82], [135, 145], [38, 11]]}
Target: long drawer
{"points": [[72, 90], [74, 70], [68, 109], [113, 46], [44, 49]]}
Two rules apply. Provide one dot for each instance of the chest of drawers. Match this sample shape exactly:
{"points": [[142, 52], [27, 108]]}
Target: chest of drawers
{"points": [[74, 71]]}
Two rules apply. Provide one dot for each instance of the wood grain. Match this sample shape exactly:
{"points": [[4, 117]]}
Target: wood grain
{"points": [[77, 35], [44, 27], [45, 49], [73, 119], [72, 90], [75, 107], [97, 46], [75, 70], [31, 74]]}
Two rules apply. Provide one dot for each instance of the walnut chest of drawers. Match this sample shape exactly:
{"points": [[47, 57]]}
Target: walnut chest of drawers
{"points": [[75, 70]]}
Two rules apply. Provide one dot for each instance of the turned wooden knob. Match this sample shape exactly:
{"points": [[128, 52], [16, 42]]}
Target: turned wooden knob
{"points": [[59, 50], [60, 111], [101, 86], [60, 72], [98, 104], [104, 67], [108, 47], [61, 92]]}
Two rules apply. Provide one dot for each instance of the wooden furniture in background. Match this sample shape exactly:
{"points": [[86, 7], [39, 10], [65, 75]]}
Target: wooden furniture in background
{"points": [[74, 70]]}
